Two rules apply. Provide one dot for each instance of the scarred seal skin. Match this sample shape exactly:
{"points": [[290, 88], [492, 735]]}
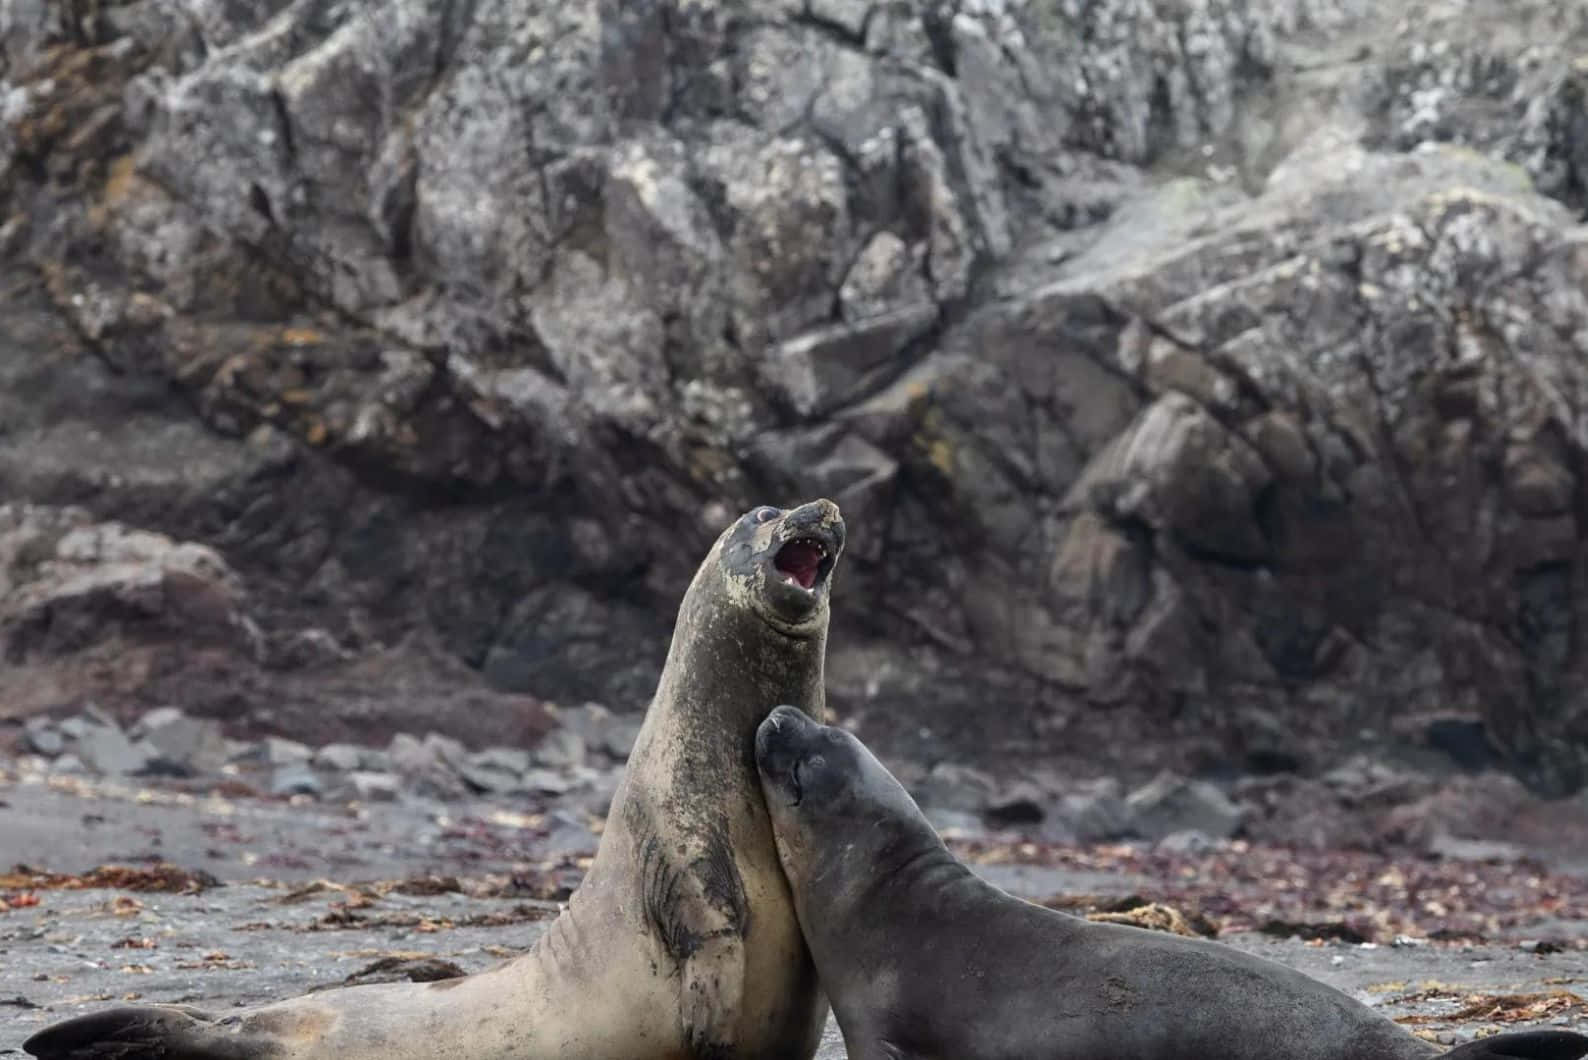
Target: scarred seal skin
{"points": [[922, 959], [681, 942]]}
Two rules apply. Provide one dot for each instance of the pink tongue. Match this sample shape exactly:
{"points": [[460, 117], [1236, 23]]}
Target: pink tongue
{"points": [[800, 560]]}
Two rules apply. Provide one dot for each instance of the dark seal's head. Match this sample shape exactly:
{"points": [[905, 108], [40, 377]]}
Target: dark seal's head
{"points": [[778, 564], [837, 813]]}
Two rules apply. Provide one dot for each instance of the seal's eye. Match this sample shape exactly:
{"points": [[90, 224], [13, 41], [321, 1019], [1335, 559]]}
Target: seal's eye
{"points": [[766, 515]]}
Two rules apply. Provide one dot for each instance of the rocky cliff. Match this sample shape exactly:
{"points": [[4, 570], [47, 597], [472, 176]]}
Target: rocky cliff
{"points": [[1204, 382]]}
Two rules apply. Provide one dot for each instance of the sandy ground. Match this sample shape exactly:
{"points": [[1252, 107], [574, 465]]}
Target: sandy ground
{"points": [[271, 931]]}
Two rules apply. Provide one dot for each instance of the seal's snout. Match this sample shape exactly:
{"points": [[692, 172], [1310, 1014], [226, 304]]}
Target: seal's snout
{"points": [[779, 745], [813, 538]]}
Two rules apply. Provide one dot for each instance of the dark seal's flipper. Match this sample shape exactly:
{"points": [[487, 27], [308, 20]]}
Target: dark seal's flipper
{"points": [[1524, 1045], [144, 1032]]}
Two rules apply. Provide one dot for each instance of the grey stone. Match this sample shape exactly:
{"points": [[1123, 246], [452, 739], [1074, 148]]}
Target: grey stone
{"points": [[954, 822], [960, 788], [546, 781], [423, 770], [513, 760], [1096, 812], [68, 764], [245, 751], [340, 757], [375, 760], [279, 751], [566, 834], [1191, 841], [41, 736], [74, 727], [1171, 804], [561, 748], [594, 795], [179, 744], [371, 786], [106, 749], [446, 750], [489, 779], [295, 778], [620, 736], [1455, 848]]}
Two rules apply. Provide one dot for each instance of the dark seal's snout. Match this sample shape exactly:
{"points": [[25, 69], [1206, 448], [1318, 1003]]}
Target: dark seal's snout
{"points": [[780, 743]]}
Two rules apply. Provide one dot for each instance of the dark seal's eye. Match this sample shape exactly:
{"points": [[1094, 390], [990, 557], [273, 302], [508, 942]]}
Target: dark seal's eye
{"points": [[766, 515]]}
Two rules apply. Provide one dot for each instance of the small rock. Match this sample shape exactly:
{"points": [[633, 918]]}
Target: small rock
{"points": [[446, 749], [1444, 845], [295, 778], [373, 787], [1172, 803], [74, 727], [42, 737], [488, 779], [560, 748], [595, 796], [340, 757], [1097, 812], [375, 760], [421, 765], [1189, 841], [106, 750], [513, 760], [241, 751], [181, 745], [546, 781], [954, 822], [284, 752], [68, 763], [620, 736], [566, 834], [1020, 804], [955, 787]]}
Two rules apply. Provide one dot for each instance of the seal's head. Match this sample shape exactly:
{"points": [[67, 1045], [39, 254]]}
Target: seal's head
{"points": [[779, 563], [830, 800]]}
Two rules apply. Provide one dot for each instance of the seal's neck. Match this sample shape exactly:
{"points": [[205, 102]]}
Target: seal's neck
{"points": [[729, 668]]}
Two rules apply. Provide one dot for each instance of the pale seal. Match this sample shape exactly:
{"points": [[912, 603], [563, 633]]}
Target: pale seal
{"points": [[681, 941], [921, 959]]}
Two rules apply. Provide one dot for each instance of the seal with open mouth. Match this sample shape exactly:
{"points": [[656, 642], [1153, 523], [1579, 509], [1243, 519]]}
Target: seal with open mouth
{"points": [[922, 959], [681, 941]]}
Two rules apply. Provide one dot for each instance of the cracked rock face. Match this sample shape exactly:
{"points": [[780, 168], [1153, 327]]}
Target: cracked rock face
{"points": [[1201, 381]]}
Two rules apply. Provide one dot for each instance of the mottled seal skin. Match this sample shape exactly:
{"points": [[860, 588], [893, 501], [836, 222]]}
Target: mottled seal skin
{"points": [[681, 942], [921, 959]]}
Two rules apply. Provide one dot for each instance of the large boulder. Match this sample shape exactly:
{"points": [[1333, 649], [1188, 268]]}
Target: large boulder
{"points": [[1200, 379]]}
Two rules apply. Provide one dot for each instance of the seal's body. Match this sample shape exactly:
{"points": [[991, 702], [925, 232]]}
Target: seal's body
{"points": [[681, 942], [922, 959]]}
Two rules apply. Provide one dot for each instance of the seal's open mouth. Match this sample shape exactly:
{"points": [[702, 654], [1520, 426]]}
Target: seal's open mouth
{"points": [[803, 562]]}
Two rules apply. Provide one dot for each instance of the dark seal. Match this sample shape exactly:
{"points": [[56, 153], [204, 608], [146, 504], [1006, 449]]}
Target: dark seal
{"points": [[681, 941], [921, 958]]}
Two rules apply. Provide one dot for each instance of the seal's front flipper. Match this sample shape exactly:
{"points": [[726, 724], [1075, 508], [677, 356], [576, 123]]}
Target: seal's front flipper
{"points": [[143, 1032], [695, 902], [1523, 1045], [713, 984]]}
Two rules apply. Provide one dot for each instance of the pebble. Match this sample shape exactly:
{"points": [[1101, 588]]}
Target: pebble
{"points": [[295, 779], [560, 748], [41, 736], [340, 757], [374, 787], [283, 752]]}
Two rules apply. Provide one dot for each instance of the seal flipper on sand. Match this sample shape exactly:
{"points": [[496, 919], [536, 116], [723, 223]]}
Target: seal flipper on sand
{"points": [[146, 1032], [1523, 1045]]}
